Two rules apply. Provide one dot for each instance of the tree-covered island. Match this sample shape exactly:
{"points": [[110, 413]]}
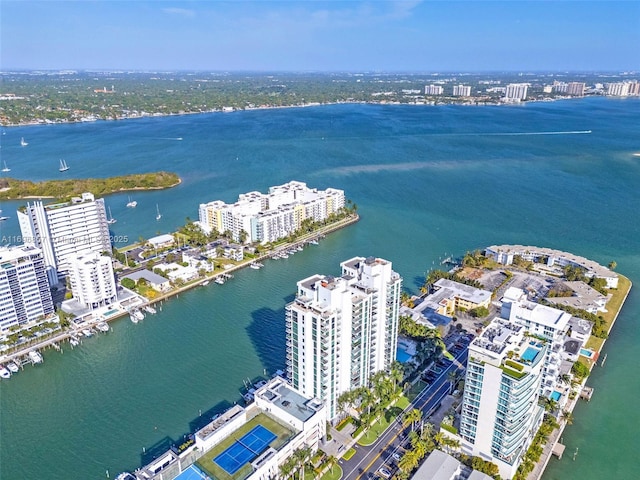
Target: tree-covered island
{"points": [[12, 188]]}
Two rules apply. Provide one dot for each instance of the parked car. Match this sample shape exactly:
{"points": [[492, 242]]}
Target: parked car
{"points": [[396, 456], [384, 472]]}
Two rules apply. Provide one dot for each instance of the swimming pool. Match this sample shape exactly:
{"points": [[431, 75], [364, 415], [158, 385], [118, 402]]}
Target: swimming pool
{"points": [[555, 396], [110, 313], [402, 356], [530, 354], [586, 353]]}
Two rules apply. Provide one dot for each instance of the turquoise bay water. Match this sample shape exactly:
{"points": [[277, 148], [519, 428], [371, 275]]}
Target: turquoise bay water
{"points": [[427, 181]]}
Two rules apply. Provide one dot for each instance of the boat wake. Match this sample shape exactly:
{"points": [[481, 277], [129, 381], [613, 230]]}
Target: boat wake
{"points": [[568, 132]]}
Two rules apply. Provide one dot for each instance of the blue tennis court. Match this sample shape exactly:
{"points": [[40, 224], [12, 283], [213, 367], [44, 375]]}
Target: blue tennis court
{"points": [[192, 473], [245, 449]]}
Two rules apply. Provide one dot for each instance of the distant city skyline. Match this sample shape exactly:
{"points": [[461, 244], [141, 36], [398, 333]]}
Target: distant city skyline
{"points": [[417, 36]]}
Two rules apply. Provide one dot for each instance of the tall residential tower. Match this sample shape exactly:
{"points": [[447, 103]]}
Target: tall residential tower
{"points": [[65, 231], [24, 290], [342, 330], [500, 411]]}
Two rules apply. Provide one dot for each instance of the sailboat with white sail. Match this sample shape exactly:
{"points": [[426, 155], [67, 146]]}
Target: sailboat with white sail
{"points": [[23, 143], [63, 166], [111, 220], [158, 214], [132, 204], [5, 168]]}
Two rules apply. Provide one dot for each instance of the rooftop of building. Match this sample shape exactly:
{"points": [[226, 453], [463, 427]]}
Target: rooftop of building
{"points": [[579, 325], [15, 253], [281, 395], [540, 314], [148, 275], [438, 466], [598, 269], [160, 239], [466, 292], [505, 342]]}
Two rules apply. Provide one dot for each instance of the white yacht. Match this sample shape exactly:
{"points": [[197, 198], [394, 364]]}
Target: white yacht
{"points": [[13, 367], [133, 317], [138, 314], [103, 327], [4, 373], [35, 356], [132, 204], [150, 309]]}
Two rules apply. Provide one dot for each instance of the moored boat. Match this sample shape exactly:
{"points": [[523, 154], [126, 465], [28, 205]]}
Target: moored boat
{"points": [[103, 326], [4, 373], [35, 356], [13, 367], [149, 309]]}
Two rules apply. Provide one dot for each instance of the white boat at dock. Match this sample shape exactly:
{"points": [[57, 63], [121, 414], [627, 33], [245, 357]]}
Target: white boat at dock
{"points": [[256, 265], [150, 309], [133, 318], [103, 327], [313, 242], [4, 373], [13, 367], [138, 314], [35, 357], [219, 280], [87, 332], [205, 283], [74, 341]]}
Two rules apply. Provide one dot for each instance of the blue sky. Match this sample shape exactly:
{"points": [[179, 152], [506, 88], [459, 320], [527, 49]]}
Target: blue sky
{"points": [[421, 36]]}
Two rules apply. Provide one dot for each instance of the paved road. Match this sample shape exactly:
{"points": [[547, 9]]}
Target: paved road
{"points": [[367, 460]]}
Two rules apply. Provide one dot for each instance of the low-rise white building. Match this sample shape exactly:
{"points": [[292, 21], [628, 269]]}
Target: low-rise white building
{"points": [[161, 241], [175, 272], [157, 282], [554, 260]]}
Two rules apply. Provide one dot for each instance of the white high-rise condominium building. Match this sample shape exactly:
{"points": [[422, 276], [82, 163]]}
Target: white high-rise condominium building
{"points": [[92, 281], [433, 90], [461, 91], [65, 231], [24, 289], [342, 330], [543, 321], [576, 88], [500, 411], [623, 89], [268, 217], [516, 91]]}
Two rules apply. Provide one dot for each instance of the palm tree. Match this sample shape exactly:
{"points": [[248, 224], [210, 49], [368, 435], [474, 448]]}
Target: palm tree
{"points": [[409, 461], [332, 462], [396, 373], [412, 417], [452, 376], [567, 416], [287, 468]]}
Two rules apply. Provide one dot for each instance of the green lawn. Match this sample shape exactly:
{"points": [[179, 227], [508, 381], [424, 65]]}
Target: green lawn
{"points": [[380, 425], [336, 475], [207, 464], [350, 453]]}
